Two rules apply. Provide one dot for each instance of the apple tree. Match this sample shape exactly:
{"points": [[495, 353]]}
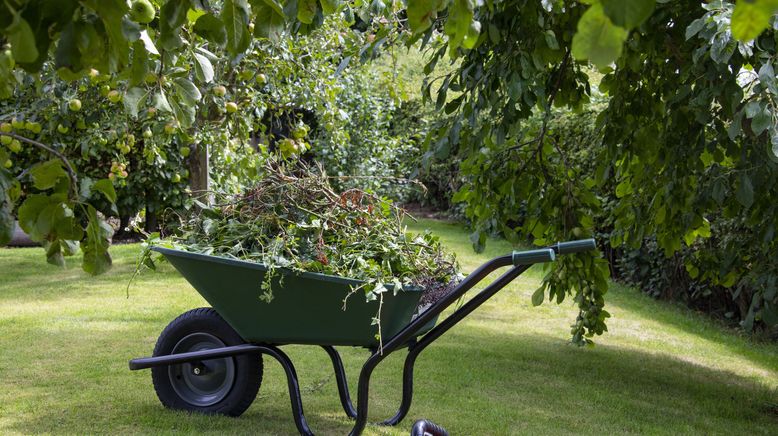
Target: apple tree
{"points": [[689, 125]]}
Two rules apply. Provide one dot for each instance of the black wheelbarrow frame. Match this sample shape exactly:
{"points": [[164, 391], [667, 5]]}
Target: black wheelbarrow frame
{"points": [[407, 337]]}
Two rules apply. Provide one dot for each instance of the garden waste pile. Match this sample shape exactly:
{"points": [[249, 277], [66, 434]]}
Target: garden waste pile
{"points": [[294, 220]]}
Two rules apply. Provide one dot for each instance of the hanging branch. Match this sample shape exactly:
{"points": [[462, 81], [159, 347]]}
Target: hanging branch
{"points": [[60, 156]]}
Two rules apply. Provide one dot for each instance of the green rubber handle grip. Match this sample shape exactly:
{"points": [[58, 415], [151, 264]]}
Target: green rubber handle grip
{"points": [[575, 246], [533, 256]]}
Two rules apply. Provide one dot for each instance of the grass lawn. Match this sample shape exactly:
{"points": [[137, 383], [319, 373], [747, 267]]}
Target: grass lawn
{"points": [[65, 340]]}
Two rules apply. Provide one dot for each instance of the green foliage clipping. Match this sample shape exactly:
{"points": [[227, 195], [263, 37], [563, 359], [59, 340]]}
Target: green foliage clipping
{"points": [[294, 220]]}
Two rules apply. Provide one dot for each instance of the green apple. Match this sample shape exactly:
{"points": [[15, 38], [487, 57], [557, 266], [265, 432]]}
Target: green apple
{"points": [[62, 129], [6, 127], [15, 146], [80, 124], [170, 128], [176, 178], [142, 11], [8, 163], [74, 105], [261, 79], [5, 140], [231, 107], [104, 90], [219, 91], [114, 96], [17, 124], [185, 151], [147, 134]]}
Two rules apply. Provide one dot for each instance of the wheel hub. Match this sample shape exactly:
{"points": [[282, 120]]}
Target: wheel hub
{"points": [[204, 383]]}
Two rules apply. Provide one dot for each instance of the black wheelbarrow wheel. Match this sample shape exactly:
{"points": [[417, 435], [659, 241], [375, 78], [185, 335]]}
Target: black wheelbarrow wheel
{"points": [[225, 386]]}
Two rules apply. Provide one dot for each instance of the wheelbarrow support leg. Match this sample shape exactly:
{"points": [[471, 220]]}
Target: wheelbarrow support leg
{"points": [[438, 331], [340, 377], [294, 388], [408, 333]]}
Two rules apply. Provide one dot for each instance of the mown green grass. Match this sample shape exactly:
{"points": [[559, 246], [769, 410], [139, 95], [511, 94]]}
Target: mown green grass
{"points": [[65, 340]]}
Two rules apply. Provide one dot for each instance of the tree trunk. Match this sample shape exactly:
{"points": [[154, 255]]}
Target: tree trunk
{"points": [[199, 181]]}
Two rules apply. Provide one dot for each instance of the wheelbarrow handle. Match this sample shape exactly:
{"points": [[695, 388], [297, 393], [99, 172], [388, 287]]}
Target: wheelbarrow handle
{"points": [[574, 246], [532, 256]]}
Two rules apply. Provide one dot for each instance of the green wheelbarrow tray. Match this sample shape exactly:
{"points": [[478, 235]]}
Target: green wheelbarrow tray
{"points": [[307, 308]]}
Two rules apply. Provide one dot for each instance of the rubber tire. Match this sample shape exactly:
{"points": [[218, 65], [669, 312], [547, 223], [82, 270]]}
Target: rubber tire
{"points": [[248, 367]]}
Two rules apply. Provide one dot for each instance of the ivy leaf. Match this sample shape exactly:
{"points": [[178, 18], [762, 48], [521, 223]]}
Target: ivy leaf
{"points": [[628, 14], [235, 16], [46, 175], [751, 17], [598, 39], [745, 191]]}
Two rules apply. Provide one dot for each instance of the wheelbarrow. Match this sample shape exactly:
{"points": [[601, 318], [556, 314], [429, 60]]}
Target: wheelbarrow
{"points": [[209, 360]]}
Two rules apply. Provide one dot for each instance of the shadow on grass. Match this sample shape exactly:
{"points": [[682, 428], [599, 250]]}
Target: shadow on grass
{"points": [[28, 277], [471, 381], [631, 300]]}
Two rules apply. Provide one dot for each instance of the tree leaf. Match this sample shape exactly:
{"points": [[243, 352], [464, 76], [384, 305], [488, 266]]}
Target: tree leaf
{"points": [[105, 186], [328, 6], [421, 13], [46, 175], [22, 40], [132, 100], [187, 90], [268, 22], [203, 68], [306, 10], [212, 29], [761, 121], [598, 39], [537, 297], [97, 260], [628, 14], [694, 28], [235, 16], [751, 17], [745, 191]]}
